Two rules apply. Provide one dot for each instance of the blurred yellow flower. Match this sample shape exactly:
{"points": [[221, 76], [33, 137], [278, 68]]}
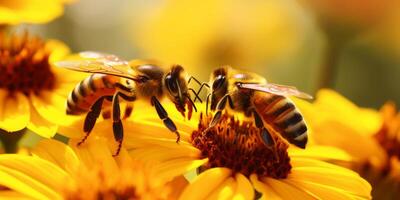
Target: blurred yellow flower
{"points": [[205, 34], [386, 35], [32, 91], [372, 138], [234, 161], [58, 171], [333, 120], [14, 12]]}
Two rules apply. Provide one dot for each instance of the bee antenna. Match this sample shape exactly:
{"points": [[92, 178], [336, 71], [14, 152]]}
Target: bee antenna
{"points": [[201, 87], [195, 93], [190, 100]]}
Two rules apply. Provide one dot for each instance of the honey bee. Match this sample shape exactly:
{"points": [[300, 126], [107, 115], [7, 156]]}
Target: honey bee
{"points": [[113, 78], [250, 94]]}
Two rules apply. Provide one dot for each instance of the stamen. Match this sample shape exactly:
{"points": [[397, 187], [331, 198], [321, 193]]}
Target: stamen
{"points": [[389, 134], [238, 146]]}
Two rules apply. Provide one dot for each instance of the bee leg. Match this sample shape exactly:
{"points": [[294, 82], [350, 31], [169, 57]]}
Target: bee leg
{"points": [[90, 119], [201, 87], [162, 113], [207, 100], [221, 106], [195, 94], [128, 110], [118, 129], [106, 112], [265, 134]]}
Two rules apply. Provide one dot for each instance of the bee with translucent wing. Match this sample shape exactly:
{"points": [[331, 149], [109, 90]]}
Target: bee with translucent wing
{"points": [[267, 103], [113, 78]]}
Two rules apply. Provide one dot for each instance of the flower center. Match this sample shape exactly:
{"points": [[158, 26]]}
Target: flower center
{"points": [[389, 134], [24, 65], [238, 146]]}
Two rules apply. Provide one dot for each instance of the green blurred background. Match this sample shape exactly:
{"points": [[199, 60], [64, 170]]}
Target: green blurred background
{"points": [[351, 46]]}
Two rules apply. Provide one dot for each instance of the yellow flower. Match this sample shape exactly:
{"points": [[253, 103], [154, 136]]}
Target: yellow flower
{"points": [[58, 171], [335, 121], [32, 91], [205, 34], [30, 11], [369, 136], [234, 161]]}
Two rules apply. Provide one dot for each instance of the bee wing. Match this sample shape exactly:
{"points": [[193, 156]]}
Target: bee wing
{"points": [[102, 66], [283, 90], [100, 56]]}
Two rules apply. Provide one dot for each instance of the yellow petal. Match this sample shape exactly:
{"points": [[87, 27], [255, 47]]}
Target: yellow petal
{"points": [[347, 112], [306, 162], [320, 152], [322, 191], [32, 11], [163, 154], [52, 107], [31, 176], [176, 167], [266, 191], [177, 185], [244, 189], [287, 191], [205, 183], [143, 128], [14, 111], [41, 126], [57, 153], [225, 190], [75, 129], [95, 151], [12, 195], [343, 180], [57, 48]]}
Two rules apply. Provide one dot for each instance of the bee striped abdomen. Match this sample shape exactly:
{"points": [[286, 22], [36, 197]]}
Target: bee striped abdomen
{"points": [[283, 116], [88, 91]]}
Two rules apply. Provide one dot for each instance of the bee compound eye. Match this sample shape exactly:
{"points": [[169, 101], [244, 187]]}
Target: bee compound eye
{"points": [[218, 82], [171, 85]]}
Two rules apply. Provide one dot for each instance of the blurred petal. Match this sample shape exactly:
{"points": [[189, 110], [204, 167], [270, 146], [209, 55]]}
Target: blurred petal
{"points": [[95, 151], [29, 11], [52, 107], [41, 126], [33, 177], [57, 153], [13, 195], [14, 111]]}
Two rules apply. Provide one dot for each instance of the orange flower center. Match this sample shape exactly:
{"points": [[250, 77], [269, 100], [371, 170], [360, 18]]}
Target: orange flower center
{"points": [[24, 65], [389, 134], [238, 146]]}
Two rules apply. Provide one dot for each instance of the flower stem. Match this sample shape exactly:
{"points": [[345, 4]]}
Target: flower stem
{"points": [[10, 140], [329, 66]]}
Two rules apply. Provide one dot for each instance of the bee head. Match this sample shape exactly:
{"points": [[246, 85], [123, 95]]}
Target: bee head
{"points": [[177, 90]]}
